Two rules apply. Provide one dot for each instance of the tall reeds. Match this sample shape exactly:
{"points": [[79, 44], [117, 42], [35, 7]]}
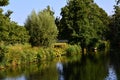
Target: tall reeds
{"points": [[12, 55]]}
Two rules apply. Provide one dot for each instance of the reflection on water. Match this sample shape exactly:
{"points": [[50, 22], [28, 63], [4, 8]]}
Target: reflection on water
{"points": [[17, 78], [111, 74], [85, 68], [59, 66], [88, 68]]}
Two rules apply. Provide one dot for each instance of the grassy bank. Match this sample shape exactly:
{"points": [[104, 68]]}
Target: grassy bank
{"points": [[12, 55]]}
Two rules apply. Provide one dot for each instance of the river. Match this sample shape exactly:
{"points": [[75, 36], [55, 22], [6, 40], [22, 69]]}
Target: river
{"points": [[97, 67]]}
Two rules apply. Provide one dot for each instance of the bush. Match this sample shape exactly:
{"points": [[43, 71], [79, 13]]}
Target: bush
{"points": [[73, 50], [21, 54], [18, 54]]}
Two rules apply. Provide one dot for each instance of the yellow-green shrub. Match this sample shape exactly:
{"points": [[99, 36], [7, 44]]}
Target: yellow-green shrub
{"points": [[22, 54], [73, 50]]}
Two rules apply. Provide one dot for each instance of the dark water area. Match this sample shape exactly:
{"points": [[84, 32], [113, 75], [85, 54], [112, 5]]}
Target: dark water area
{"points": [[92, 67]]}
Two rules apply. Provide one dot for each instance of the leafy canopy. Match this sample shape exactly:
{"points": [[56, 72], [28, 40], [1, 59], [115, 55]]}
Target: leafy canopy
{"points": [[42, 28], [114, 27], [82, 21], [11, 32], [4, 2]]}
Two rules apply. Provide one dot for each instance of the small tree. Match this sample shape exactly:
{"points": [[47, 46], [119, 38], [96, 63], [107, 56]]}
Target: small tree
{"points": [[42, 28]]}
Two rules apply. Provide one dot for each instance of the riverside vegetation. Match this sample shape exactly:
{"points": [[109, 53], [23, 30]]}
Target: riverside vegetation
{"points": [[12, 55], [84, 24]]}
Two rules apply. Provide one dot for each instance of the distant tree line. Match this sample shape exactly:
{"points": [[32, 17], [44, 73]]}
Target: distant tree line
{"points": [[82, 22]]}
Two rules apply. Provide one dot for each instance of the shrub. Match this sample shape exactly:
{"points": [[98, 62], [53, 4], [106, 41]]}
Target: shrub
{"points": [[72, 50], [21, 54]]}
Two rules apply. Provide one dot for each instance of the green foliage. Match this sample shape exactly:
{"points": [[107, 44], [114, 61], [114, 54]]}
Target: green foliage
{"points": [[3, 51], [93, 43], [8, 13], [13, 33], [114, 28], [4, 2], [73, 50], [12, 55], [17, 34], [81, 22], [42, 28], [102, 45], [4, 20]]}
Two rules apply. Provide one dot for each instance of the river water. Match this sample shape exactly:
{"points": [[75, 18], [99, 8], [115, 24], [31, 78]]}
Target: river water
{"points": [[97, 67]]}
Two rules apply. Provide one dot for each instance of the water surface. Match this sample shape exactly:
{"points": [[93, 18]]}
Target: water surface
{"points": [[72, 68]]}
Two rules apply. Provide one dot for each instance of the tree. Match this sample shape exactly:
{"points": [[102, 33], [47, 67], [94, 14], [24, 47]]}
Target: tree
{"points": [[17, 34], [118, 1], [4, 2], [82, 21], [42, 28], [11, 32], [8, 13], [114, 27]]}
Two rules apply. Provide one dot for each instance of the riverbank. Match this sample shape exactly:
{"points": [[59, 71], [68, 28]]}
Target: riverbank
{"points": [[12, 55], [72, 66]]}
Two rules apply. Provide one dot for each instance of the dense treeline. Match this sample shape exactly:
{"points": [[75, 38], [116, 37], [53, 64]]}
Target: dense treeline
{"points": [[82, 22]]}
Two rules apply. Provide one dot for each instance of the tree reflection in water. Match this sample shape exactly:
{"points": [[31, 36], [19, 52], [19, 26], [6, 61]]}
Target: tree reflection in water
{"points": [[85, 68], [88, 68]]}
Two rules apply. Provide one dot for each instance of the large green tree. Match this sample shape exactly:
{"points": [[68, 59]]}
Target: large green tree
{"points": [[42, 28], [11, 32], [114, 26], [82, 22], [15, 34]]}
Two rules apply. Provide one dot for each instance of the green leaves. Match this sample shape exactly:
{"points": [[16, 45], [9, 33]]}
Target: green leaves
{"points": [[114, 27], [13, 33], [82, 21], [4, 2], [42, 28]]}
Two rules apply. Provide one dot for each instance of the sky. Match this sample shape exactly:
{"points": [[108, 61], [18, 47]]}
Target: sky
{"points": [[22, 8]]}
